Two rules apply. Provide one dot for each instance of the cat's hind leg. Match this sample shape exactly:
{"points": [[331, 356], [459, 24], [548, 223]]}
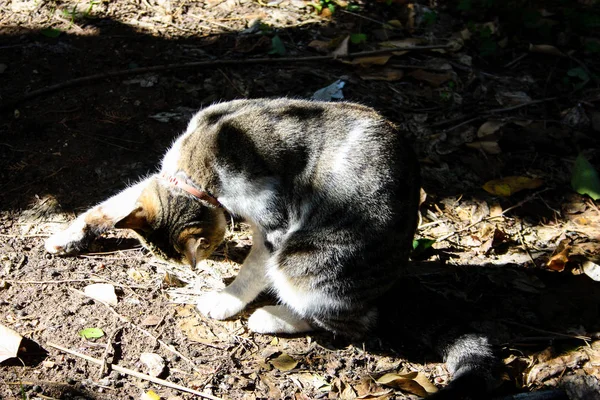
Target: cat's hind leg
{"points": [[95, 221], [250, 281], [277, 319]]}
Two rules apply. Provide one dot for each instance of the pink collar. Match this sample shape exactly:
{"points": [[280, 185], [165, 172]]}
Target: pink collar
{"points": [[199, 194]]}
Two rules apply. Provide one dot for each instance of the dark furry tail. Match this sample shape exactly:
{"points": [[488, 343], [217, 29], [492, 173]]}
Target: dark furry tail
{"points": [[471, 361]]}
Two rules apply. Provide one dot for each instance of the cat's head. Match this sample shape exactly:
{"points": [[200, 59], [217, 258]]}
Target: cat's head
{"points": [[174, 225]]}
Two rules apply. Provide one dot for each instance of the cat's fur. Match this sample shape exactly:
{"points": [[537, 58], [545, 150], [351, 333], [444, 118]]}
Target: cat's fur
{"points": [[331, 191]]}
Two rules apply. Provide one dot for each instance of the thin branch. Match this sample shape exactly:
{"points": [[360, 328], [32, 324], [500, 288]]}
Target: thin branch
{"points": [[519, 204], [136, 374], [202, 64]]}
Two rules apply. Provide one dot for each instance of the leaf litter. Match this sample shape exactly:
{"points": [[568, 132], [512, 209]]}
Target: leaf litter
{"points": [[480, 118]]}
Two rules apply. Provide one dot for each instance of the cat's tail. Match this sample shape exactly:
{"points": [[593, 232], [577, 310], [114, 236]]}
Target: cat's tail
{"points": [[472, 362]]}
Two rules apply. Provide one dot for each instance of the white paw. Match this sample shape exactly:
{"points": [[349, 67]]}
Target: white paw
{"points": [[220, 305], [277, 319], [68, 241]]}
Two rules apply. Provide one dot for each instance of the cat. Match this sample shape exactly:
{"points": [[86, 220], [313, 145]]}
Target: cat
{"points": [[330, 190]]}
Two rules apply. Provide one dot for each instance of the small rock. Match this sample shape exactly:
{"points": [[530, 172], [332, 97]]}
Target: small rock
{"points": [[154, 363]]}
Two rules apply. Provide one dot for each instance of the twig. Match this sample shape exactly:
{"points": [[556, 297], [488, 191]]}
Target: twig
{"points": [[136, 374], [109, 346], [564, 335], [529, 103], [519, 204], [130, 324], [202, 64]]}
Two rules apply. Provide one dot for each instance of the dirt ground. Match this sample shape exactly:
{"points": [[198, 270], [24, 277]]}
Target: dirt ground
{"points": [[517, 266]]}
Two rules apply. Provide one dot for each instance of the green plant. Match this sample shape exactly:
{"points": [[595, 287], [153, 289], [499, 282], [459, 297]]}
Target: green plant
{"points": [[358, 38]]}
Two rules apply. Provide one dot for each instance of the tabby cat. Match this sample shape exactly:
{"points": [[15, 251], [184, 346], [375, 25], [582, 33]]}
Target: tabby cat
{"points": [[330, 190]]}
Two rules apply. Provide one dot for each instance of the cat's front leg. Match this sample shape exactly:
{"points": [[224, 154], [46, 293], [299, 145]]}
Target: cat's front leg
{"points": [[250, 281], [94, 222]]}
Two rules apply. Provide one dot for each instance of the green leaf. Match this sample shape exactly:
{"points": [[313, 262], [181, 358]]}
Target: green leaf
{"points": [[420, 245], [585, 179], [357, 38], [353, 7], [51, 32], [277, 46], [579, 73], [331, 7], [91, 333]]}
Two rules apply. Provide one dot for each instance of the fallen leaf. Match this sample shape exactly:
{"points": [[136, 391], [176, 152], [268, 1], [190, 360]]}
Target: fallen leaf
{"points": [[320, 45], [412, 382], [433, 78], [48, 364], [511, 184], [384, 74], [584, 178], [155, 365], [284, 362], [333, 91], [512, 98], [592, 270], [197, 332], [171, 280], [151, 320], [9, 343], [150, 395], [560, 256], [342, 49], [371, 60], [488, 146], [91, 333], [489, 128], [104, 292], [546, 49], [138, 275], [277, 46]]}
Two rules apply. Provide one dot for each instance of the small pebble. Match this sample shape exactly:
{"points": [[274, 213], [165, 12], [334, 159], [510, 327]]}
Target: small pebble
{"points": [[37, 389], [71, 381]]}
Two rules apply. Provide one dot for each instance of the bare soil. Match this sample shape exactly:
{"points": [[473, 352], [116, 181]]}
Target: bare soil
{"points": [[508, 266]]}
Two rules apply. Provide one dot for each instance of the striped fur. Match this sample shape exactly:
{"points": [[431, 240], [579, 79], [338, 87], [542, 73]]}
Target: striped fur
{"points": [[330, 189]]}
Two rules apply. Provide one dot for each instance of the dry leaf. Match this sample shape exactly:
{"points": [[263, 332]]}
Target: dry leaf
{"points": [[546, 49], [137, 275], [489, 128], [9, 343], [511, 184], [342, 49], [151, 320], [195, 331], [284, 362], [150, 395], [433, 78], [372, 60], [560, 257], [171, 280], [384, 74], [488, 146], [104, 292], [155, 365], [320, 45], [592, 270], [412, 382]]}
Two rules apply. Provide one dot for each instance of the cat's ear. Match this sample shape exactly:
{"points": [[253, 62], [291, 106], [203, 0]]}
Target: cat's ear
{"points": [[136, 219], [193, 245]]}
